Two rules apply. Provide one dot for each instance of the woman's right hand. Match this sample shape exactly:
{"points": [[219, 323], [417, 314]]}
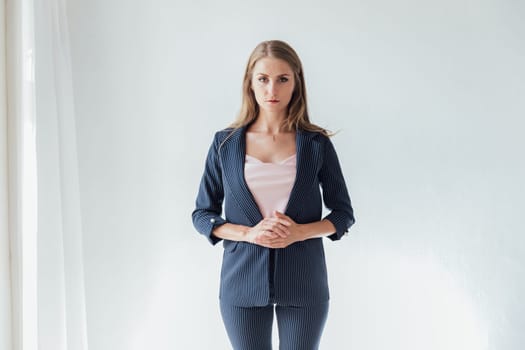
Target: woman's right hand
{"points": [[266, 229]]}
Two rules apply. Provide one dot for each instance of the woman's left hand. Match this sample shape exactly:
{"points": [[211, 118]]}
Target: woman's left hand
{"points": [[295, 235]]}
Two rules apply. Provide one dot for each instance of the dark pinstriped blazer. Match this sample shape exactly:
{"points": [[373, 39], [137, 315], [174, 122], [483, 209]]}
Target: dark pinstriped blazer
{"points": [[299, 275]]}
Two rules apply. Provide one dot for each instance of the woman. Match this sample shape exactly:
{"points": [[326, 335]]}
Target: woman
{"points": [[268, 167]]}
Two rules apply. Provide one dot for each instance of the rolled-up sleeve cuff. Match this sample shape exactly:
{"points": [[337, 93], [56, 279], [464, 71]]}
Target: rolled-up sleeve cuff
{"points": [[211, 224], [341, 224]]}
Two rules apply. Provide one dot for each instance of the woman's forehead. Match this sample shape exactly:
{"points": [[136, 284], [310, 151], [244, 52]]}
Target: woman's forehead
{"points": [[272, 66]]}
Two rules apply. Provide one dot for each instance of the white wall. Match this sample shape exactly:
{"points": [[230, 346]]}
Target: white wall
{"points": [[428, 96]]}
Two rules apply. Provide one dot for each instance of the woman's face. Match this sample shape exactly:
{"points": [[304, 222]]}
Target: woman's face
{"points": [[272, 84]]}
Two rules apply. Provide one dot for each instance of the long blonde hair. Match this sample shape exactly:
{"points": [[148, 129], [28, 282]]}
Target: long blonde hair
{"points": [[297, 118]]}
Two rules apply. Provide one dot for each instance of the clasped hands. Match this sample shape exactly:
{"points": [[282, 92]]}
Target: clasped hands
{"points": [[278, 231]]}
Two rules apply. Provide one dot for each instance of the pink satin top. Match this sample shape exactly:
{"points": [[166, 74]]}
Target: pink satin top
{"points": [[270, 183]]}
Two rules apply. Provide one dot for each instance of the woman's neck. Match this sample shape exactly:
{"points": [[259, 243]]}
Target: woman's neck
{"points": [[268, 123]]}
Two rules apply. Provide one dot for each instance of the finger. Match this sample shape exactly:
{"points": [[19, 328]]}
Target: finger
{"points": [[262, 242], [266, 226], [269, 234], [280, 215], [287, 222], [267, 242], [281, 230], [277, 244], [278, 229], [283, 221]]}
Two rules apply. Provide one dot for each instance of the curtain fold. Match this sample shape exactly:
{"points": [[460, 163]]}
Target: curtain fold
{"points": [[61, 296], [21, 173], [5, 273], [41, 200]]}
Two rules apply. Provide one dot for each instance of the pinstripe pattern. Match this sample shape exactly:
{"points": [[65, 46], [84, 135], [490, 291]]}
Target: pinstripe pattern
{"points": [[248, 328], [299, 270], [300, 328]]}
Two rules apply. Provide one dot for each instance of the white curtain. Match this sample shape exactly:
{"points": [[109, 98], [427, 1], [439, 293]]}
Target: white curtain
{"points": [[20, 175], [5, 276], [43, 205]]}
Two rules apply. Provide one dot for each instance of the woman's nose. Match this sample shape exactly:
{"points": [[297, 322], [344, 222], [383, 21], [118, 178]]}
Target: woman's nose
{"points": [[272, 88]]}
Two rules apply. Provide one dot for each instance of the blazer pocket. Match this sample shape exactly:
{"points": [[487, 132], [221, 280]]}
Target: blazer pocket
{"points": [[229, 246]]}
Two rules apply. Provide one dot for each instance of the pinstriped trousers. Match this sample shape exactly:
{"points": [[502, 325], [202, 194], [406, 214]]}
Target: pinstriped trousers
{"points": [[250, 328]]}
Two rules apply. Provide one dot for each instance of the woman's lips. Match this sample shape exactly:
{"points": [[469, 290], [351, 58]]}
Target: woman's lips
{"points": [[272, 101]]}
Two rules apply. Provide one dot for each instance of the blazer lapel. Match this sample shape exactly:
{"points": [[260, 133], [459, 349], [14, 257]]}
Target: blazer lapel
{"points": [[308, 158], [232, 155]]}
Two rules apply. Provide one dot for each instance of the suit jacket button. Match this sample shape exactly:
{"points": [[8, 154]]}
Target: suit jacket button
{"points": [[212, 220]]}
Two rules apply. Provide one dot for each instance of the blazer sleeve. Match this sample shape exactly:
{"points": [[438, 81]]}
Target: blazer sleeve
{"points": [[208, 206], [335, 192]]}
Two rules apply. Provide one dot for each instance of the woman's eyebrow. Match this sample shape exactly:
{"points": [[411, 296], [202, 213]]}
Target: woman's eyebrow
{"points": [[279, 75]]}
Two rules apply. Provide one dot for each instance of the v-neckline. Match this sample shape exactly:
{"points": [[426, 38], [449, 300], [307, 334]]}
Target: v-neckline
{"points": [[232, 153]]}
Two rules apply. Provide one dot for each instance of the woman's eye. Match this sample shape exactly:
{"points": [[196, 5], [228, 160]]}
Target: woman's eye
{"points": [[264, 79]]}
